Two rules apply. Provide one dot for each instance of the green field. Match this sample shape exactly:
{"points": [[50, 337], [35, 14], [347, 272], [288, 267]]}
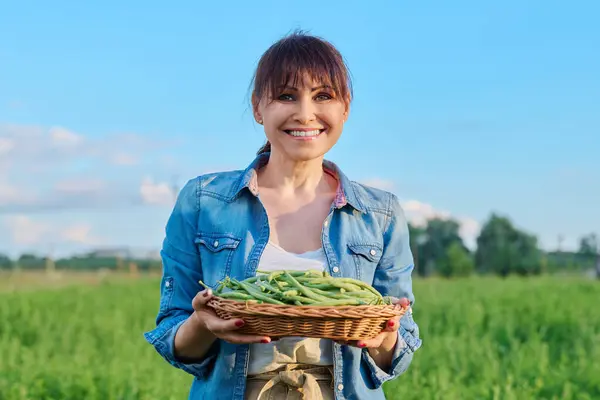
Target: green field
{"points": [[484, 338]]}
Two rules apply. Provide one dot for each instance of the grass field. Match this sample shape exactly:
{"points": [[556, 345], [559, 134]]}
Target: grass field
{"points": [[484, 338]]}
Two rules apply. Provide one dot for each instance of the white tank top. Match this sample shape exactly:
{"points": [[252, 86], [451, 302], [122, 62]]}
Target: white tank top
{"points": [[290, 350]]}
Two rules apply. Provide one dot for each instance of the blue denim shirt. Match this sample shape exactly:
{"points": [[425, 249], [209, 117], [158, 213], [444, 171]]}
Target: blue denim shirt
{"points": [[219, 228]]}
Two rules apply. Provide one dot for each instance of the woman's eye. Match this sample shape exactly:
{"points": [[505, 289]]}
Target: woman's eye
{"points": [[323, 97], [285, 97]]}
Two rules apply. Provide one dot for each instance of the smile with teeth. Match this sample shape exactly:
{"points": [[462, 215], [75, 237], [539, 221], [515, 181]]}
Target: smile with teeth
{"points": [[314, 132]]}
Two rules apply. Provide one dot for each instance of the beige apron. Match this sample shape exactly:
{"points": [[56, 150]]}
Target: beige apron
{"points": [[292, 382]]}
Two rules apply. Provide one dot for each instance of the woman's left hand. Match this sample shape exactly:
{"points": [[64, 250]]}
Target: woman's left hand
{"points": [[388, 336]]}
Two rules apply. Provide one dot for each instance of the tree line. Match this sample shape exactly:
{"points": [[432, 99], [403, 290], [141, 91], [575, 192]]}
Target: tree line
{"points": [[501, 249], [438, 250]]}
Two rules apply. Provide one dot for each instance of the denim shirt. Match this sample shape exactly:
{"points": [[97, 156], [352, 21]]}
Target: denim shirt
{"points": [[219, 228]]}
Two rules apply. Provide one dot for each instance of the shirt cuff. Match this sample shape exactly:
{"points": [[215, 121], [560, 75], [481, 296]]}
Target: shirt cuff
{"points": [[163, 340], [406, 345]]}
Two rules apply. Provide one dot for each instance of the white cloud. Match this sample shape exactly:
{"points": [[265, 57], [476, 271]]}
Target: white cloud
{"points": [[35, 147], [6, 145], [418, 213], [32, 158], [24, 230], [81, 234], [156, 193], [62, 137]]}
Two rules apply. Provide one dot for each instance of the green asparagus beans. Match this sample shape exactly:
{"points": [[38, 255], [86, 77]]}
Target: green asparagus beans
{"points": [[301, 288]]}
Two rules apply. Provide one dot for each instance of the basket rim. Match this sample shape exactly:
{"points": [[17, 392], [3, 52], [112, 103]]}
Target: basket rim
{"points": [[310, 311]]}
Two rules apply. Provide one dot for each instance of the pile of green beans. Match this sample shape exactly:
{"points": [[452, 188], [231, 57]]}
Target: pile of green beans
{"points": [[314, 288]]}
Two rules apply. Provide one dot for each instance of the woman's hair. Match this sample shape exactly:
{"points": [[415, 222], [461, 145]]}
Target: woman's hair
{"points": [[293, 56]]}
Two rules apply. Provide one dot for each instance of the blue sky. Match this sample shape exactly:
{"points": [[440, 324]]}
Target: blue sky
{"points": [[461, 108]]}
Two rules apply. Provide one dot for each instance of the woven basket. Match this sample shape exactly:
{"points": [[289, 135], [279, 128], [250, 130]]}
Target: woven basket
{"points": [[338, 323]]}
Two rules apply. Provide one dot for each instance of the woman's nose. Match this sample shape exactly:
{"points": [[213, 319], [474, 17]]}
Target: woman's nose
{"points": [[305, 112]]}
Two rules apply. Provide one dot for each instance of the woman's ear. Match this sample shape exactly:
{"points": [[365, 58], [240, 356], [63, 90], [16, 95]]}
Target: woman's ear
{"points": [[255, 112], [347, 113]]}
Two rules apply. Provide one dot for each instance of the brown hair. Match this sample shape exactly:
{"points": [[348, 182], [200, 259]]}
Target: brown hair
{"points": [[288, 59]]}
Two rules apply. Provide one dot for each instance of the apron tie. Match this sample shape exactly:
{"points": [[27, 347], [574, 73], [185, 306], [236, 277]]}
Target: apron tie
{"points": [[300, 379]]}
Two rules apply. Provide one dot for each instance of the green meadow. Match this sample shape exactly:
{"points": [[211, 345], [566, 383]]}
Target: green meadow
{"points": [[483, 338]]}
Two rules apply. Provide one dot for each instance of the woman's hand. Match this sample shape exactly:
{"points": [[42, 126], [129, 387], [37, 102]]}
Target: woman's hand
{"points": [[221, 328], [386, 340]]}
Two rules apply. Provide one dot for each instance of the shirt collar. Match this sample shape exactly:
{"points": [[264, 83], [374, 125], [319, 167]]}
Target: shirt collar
{"points": [[344, 193]]}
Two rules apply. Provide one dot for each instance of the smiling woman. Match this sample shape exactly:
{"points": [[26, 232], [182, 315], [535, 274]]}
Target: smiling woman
{"points": [[302, 87], [291, 209]]}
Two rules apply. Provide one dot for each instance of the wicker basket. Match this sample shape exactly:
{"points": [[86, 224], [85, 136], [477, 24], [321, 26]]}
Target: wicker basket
{"points": [[338, 323]]}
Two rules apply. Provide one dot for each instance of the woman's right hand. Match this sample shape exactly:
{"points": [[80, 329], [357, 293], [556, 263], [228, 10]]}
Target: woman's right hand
{"points": [[221, 328]]}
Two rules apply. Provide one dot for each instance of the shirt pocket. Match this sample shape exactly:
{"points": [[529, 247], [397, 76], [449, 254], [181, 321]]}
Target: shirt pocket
{"points": [[216, 254], [366, 257]]}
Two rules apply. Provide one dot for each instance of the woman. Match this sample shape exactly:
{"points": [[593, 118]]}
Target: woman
{"points": [[290, 207]]}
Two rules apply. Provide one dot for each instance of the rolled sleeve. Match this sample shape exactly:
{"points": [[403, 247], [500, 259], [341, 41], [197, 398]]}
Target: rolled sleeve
{"points": [[163, 339], [393, 277], [182, 270], [408, 342]]}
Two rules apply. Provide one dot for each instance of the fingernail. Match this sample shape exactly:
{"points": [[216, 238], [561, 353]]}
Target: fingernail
{"points": [[361, 345], [206, 293], [239, 323], [265, 341], [391, 324]]}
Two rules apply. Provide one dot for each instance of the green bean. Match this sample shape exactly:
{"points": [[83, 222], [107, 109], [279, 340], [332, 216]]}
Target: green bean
{"points": [[257, 294], [332, 295], [337, 282], [341, 302], [236, 296], [303, 289], [361, 284], [310, 287], [362, 293], [303, 300], [267, 286], [321, 286]]}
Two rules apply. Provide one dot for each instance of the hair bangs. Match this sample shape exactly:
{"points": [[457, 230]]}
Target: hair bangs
{"points": [[296, 57]]}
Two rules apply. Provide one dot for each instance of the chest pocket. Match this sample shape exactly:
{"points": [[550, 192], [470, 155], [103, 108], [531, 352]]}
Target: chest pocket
{"points": [[366, 257], [216, 254]]}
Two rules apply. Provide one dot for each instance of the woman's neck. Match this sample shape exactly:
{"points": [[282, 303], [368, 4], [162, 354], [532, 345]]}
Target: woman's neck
{"points": [[292, 178]]}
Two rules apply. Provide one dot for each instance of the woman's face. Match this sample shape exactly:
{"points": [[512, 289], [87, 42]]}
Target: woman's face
{"points": [[304, 122]]}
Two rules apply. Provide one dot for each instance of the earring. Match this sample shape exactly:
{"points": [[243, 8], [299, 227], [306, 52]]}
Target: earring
{"points": [[260, 121]]}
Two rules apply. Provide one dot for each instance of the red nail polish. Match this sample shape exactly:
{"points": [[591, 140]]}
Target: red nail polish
{"points": [[391, 324], [361, 345], [265, 341], [239, 323]]}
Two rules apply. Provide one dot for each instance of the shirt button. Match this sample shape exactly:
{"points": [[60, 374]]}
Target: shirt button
{"points": [[326, 223], [336, 269], [373, 252], [340, 387], [216, 243], [167, 284]]}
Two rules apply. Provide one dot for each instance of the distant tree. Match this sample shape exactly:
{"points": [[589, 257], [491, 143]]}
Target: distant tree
{"points": [[503, 249], [5, 262], [457, 262], [589, 245], [440, 234], [589, 248], [417, 238]]}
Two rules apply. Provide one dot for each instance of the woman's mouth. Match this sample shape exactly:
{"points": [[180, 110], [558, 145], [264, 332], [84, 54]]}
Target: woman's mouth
{"points": [[304, 133]]}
